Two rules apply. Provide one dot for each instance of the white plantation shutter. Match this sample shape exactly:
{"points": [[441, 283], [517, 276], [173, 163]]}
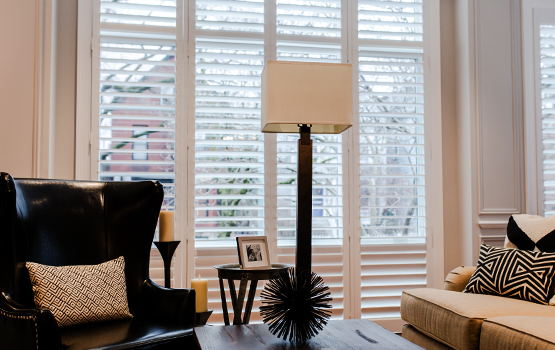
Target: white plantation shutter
{"points": [[310, 31], [229, 146], [136, 93], [547, 71], [134, 103], [244, 182], [391, 136]]}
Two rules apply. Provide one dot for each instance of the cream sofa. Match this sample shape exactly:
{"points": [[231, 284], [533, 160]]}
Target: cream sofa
{"points": [[449, 319]]}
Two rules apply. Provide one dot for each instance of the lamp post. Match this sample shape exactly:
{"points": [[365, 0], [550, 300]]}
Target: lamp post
{"points": [[303, 97]]}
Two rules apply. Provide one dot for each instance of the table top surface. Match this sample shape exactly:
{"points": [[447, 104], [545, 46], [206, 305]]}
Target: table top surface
{"points": [[234, 271], [237, 267], [337, 334]]}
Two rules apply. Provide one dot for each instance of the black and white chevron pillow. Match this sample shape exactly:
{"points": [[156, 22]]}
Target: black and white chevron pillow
{"points": [[513, 273], [81, 293], [531, 232]]}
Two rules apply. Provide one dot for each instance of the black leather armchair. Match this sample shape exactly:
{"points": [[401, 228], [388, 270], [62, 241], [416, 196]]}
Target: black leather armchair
{"points": [[81, 223]]}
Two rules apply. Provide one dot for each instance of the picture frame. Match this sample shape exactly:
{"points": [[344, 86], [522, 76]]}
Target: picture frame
{"points": [[253, 252]]}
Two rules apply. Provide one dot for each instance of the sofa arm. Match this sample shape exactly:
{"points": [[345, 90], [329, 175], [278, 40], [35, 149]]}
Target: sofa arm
{"points": [[457, 279], [23, 328], [173, 305]]}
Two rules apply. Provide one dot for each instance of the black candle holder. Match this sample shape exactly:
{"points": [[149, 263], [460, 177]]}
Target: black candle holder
{"points": [[202, 317], [166, 250]]}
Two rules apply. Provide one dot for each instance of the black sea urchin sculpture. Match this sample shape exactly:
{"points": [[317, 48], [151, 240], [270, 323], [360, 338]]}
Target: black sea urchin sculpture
{"points": [[295, 305]]}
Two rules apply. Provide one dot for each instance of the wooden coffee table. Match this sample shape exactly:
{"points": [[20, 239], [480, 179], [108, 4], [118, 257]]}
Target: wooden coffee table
{"points": [[338, 334]]}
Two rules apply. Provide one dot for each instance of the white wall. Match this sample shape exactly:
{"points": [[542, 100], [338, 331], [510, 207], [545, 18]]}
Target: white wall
{"points": [[18, 99], [37, 88], [452, 232], [66, 53], [488, 126]]}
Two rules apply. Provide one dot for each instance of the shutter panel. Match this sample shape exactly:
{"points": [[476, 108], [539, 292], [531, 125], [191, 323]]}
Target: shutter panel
{"points": [[391, 151], [136, 65], [310, 31], [136, 96], [547, 71], [229, 146], [389, 266]]}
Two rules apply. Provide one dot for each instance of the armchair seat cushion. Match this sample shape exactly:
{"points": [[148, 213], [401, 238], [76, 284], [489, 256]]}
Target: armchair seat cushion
{"points": [[126, 334], [518, 333], [456, 318]]}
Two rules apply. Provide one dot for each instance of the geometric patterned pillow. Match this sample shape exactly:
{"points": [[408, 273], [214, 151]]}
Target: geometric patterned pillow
{"points": [[513, 273], [531, 232], [81, 293]]}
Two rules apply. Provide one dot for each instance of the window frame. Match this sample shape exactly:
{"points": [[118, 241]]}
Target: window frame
{"points": [[185, 141], [534, 13]]}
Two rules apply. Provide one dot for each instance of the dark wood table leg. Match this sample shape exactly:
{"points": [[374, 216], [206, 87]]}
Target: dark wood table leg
{"points": [[240, 299], [224, 302], [250, 300], [233, 294]]}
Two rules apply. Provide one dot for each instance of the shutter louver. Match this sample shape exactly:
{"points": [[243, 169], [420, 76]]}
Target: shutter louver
{"points": [[547, 71], [390, 20], [310, 31], [137, 74], [391, 148]]}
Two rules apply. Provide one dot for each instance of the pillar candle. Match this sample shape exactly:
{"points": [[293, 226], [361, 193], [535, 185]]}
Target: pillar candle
{"points": [[166, 226], [201, 290]]}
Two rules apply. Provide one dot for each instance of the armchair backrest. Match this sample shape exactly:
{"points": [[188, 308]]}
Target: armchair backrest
{"points": [[59, 223]]}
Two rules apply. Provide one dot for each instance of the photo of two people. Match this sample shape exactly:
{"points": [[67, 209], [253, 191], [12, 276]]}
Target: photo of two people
{"points": [[254, 252]]}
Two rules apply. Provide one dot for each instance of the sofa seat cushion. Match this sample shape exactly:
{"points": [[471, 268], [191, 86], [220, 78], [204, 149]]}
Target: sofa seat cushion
{"points": [[456, 318], [124, 334], [518, 333], [417, 337]]}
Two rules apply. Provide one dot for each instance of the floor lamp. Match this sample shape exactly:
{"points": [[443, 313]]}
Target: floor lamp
{"points": [[303, 97]]}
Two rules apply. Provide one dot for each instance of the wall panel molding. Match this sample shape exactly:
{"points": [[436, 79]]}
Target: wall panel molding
{"points": [[492, 224], [498, 123], [493, 240]]}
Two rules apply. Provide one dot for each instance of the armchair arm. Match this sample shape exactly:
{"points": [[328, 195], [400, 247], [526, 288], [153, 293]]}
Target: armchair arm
{"points": [[174, 305], [23, 328], [457, 279]]}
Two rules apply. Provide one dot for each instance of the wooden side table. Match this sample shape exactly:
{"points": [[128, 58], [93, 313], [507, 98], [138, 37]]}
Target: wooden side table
{"points": [[233, 272]]}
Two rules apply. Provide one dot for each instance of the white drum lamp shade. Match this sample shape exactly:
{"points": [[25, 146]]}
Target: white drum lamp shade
{"points": [[317, 94]]}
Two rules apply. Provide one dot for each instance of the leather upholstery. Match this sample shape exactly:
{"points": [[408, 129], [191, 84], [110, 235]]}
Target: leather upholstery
{"points": [[61, 223]]}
